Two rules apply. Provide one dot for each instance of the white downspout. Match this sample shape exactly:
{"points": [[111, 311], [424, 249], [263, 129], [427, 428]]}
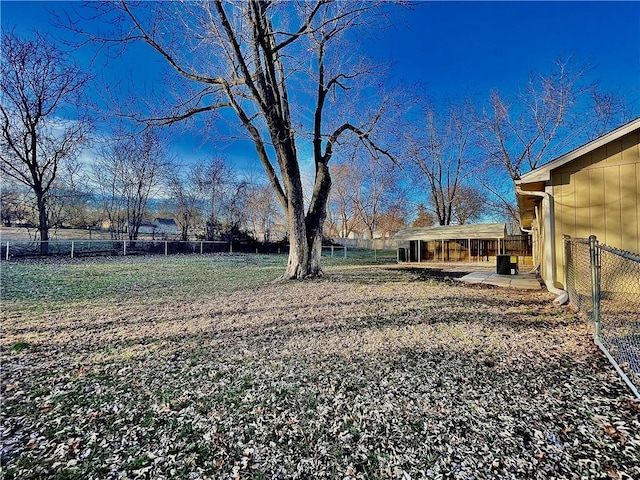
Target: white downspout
{"points": [[550, 271], [536, 254]]}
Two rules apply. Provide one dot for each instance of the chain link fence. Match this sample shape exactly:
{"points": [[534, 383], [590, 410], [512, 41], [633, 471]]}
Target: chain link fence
{"points": [[604, 284]]}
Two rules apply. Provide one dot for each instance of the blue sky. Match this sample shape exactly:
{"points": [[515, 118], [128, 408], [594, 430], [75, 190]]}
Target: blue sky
{"points": [[478, 46], [454, 48]]}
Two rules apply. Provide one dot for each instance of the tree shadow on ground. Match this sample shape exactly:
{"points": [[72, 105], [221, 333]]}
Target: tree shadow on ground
{"points": [[436, 273]]}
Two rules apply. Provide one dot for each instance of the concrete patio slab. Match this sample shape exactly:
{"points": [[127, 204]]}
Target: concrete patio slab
{"points": [[526, 281]]}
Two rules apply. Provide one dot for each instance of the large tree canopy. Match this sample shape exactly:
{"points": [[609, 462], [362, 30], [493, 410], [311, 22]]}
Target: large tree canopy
{"points": [[285, 70]]}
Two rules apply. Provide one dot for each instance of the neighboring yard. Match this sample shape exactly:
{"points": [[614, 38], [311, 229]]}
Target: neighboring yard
{"points": [[27, 234], [203, 367]]}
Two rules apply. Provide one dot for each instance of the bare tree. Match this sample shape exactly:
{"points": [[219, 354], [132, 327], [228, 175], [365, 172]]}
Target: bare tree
{"points": [[441, 155], [211, 177], [609, 111], [258, 58], [553, 113], [16, 206], [128, 172], [108, 170], [71, 203], [262, 210], [469, 204], [374, 194], [392, 220], [223, 195], [544, 121], [363, 190], [186, 198], [235, 212], [424, 217], [342, 213], [43, 124]]}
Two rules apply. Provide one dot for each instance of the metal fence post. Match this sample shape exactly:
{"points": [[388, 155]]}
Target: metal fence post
{"points": [[345, 251], [200, 248], [595, 285], [7, 254], [72, 245], [165, 248], [124, 248]]}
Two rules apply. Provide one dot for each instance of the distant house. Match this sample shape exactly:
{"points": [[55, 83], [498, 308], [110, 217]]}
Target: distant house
{"points": [[159, 226], [147, 227], [592, 190], [275, 233], [166, 226]]}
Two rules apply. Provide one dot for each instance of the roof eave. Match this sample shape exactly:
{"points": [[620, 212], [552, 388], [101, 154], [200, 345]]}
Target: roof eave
{"points": [[543, 173]]}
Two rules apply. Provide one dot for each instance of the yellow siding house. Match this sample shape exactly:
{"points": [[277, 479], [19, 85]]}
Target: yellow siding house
{"points": [[592, 190]]}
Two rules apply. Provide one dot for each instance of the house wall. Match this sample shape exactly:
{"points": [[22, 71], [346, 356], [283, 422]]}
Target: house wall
{"points": [[599, 194], [539, 233], [147, 229]]}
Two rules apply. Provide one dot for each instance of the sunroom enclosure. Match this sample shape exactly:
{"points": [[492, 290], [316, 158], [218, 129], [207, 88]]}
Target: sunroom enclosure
{"points": [[460, 243], [450, 250]]}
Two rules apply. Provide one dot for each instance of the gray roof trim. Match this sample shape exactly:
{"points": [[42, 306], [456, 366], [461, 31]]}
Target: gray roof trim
{"points": [[543, 173], [165, 221], [453, 232]]}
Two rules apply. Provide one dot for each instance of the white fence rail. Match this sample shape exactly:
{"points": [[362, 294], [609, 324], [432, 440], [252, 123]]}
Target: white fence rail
{"points": [[78, 248]]}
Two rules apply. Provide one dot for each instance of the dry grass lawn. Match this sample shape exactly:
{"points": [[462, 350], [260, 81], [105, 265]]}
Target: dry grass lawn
{"points": [[206, 368]]}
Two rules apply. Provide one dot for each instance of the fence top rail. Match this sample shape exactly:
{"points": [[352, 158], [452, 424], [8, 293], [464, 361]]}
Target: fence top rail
{"points": [[86, 240], [576, 240], [621, 253], [616, 251]]}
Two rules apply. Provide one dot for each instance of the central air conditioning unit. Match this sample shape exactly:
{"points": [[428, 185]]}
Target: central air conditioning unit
{"points": [[507, 265]]}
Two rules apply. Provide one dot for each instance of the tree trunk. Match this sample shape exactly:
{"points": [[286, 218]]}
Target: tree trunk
{"points": [[305, 249], [43, 223], [305, 232], [298, 264], [314, 239], [184, 227]]}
